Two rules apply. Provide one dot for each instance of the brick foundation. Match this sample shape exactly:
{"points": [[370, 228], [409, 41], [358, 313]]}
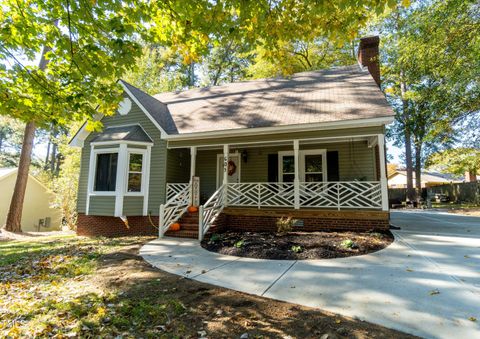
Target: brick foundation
{"points": [[265, 221], [94, 225]]}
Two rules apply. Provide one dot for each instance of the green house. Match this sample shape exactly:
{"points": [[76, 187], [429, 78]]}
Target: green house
{"points": [[310, 146]]}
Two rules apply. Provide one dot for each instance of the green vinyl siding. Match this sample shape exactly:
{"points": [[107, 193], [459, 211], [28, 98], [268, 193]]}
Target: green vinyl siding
{"points": [[132, 205], [158, 163], [178, 165], [102, 205], [356, 161]]}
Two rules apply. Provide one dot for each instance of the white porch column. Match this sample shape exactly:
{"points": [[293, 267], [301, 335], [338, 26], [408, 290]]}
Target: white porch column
{"points": [[193, 157], [296, 180], [122, 170], [383, 171], [226, 151]]}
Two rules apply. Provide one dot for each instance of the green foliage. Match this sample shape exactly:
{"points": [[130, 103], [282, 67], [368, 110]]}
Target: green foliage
{"points": [[214, 238], [431, 68], [348, 244], [456, 161], [285, 224], [239, 244], [11, 133], [296, 249]]}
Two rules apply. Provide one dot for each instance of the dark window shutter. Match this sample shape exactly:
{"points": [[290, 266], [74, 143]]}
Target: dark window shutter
{"points": [[273, 168], [332, 166]]}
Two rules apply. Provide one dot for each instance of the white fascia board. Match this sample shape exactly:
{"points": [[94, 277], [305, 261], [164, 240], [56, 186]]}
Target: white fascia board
{"points": [[121, 142], [83, 133], [280, 129]]}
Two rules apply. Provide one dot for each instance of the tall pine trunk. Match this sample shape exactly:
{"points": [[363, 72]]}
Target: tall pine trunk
{"points": [[408, 144], [418, 171], [14, 216]]}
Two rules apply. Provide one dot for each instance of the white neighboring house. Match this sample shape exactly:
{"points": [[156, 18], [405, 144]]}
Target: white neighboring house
{"points": [[399, 179], [37, 214]]}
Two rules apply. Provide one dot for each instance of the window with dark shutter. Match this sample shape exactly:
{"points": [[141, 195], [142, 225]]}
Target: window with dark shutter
{"points": [[273, 168], [332, 166], [106, 172]]}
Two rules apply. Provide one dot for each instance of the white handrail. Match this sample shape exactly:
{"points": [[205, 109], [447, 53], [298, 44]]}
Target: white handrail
{"points": [[209, 212], [173, 209]]}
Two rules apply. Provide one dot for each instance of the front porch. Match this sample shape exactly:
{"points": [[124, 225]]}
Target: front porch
{"points": [[329, 179]]}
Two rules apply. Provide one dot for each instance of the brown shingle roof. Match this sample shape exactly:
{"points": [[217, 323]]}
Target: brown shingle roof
{"points": [[336, 94]]}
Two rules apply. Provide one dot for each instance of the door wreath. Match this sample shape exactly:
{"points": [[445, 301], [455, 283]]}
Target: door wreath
{"points": [[232, 168]]}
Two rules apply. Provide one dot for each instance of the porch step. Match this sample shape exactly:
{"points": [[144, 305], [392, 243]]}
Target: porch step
{"points": [[182, 234], [188, 226]]}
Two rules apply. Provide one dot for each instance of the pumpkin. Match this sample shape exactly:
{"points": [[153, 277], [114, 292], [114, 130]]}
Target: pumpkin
{"points": [[192, 209], [175, 227]]}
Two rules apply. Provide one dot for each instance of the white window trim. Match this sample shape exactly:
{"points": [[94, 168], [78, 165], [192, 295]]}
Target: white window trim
{"points": [[93, 167], [122, 175], [302, 154], [144, 182]]}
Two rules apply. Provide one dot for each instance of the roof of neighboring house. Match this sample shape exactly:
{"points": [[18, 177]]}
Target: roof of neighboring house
{"points": [[431, 176], [6, 171], [335, 94], [123, 133]]}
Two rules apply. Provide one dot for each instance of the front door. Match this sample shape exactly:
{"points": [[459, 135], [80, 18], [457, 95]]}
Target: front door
{"points": [[233, 168]]}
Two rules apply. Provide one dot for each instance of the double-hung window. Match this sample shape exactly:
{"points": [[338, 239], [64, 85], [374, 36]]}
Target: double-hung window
{"points": [[312, 166], [106, 172], [135, 172]]}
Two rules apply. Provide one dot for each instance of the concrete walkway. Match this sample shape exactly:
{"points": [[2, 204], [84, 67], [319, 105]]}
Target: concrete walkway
{"points": [[426, 283]]}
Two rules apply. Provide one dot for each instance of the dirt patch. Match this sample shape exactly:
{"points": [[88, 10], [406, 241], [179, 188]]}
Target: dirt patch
{"points": [[297, 245], [216, 312], [472, 212]]}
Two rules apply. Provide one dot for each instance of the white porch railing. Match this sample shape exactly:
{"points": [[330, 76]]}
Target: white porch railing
{"points": [[174, 189], [208, 212], [346, 194], [175, 206], [266, 194], [341, 194]]}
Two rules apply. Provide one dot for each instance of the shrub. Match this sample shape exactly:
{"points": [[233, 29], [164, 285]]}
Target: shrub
{"points": [[214, 238], [239, 244], [296, 249], [348, 243], [285, 224]]}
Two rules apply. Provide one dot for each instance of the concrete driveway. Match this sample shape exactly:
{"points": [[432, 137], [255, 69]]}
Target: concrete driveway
{"points": [[426, 283]]}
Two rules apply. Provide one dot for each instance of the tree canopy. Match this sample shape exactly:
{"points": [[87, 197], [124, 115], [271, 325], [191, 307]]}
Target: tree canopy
{"points": [[91, 44]]}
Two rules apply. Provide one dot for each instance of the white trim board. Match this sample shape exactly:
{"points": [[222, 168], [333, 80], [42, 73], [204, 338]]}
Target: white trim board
{"points": [[302, 154], [354, 123]]}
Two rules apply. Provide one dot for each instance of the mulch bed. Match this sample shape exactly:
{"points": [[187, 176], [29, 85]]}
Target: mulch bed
{"points": [[297, 245]]}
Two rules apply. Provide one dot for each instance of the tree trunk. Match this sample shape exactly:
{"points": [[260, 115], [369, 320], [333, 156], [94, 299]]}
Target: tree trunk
{"points": [[408, 145], [418, 172], [47, 157], [14, 217]]}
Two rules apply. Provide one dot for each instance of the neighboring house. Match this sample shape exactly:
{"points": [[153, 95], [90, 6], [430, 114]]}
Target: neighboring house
{"points": [[398, 179], [310, 146], [37, 214]]}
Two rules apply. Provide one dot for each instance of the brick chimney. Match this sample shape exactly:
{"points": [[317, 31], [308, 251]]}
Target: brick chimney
{"points": [[368, 56], [470, 176]]}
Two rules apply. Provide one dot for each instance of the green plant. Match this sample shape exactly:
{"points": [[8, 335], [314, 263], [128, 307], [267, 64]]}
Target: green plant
{"points": [[214, 238], [348, 243], [296, 249], [239, 244], [285, 224]]}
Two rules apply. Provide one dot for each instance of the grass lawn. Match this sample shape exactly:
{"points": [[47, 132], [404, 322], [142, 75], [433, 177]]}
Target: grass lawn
{"points": [[78, 287]]}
